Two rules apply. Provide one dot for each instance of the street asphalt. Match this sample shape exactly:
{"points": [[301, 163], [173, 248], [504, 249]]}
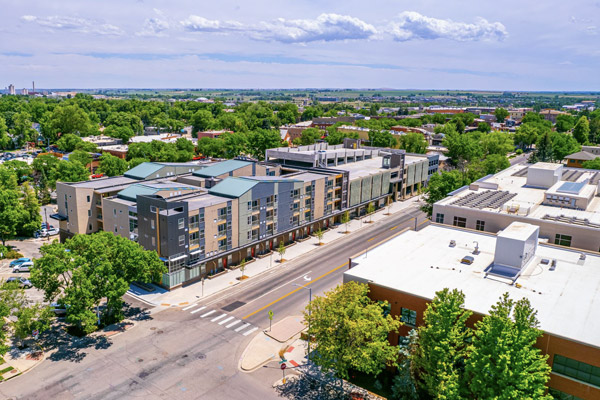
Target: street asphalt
{"points": [[193, 352]]}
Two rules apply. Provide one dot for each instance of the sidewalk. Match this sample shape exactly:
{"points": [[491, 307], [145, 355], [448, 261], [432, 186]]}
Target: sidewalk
{"points": [[281, 344], [16, 361], [187, 295]]}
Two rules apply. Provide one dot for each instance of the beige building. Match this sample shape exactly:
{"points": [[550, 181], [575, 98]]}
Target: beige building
{"points": [[563, 202]]}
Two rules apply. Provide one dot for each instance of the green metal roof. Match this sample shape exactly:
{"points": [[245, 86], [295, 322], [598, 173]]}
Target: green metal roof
{"points": [[143, 171], [221, 168], [232, 187], [133, 191], [130, 193]]}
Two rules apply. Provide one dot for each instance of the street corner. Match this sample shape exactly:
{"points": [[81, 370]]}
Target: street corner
{"points": [[260, 351], [286, 329], [18, 361], [115, 329]]}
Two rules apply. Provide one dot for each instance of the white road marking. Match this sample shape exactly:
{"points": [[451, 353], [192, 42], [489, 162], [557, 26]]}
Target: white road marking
{"points": [[233, 323], [218, 318], [250, 331], [192, 306], [242, 327], [208, 313], [198, 310], [225, 320]]}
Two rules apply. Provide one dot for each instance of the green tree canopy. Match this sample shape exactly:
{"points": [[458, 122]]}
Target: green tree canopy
{"points": [[88, 268], [500, 114], [71, 171], [111, 165], [413, 142], [310, 136], [497, 142], [83, 157], [592, 164], [564, 122], [70, 119], [503, 362], [562, 145], [442, 345], [440, 185], [351, 331], [581, 131], [381, 138]]}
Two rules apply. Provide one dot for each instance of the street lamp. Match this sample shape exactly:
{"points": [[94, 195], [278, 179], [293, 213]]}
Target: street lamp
{"points": [[309, 301]]}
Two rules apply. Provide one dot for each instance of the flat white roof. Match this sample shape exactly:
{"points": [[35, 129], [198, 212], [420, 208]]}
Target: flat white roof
{"points": [[422, 263], [545, 165], [518, 230]]}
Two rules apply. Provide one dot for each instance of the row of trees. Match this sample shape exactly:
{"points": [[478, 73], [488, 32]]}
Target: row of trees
{"points": [[444, 358]]}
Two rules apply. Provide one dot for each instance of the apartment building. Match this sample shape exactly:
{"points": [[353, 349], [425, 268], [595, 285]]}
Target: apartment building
{"points": [[203, 218], [561, 284], [562, 201]]}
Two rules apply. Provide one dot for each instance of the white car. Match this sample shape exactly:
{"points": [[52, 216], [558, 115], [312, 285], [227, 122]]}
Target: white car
{"points": [[23, 267], [52, 231]]}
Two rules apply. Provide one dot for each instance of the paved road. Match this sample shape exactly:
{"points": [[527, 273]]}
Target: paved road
{"points": [[191, 353]]}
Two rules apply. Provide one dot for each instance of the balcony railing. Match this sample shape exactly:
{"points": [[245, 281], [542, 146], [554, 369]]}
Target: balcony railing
{"points": [[194, 242], [223, 247], [193, 226]]}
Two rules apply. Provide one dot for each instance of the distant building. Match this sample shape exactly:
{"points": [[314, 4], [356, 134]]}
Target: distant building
{"points": [[550, 115], [576, 160], [325, 122], [24, 92], [11, 89], [212, 134]]}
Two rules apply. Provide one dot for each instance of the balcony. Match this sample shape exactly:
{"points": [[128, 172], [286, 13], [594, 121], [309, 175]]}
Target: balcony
{"points": [[194, 226], [194, 242], [223, 247], [270, 204]]}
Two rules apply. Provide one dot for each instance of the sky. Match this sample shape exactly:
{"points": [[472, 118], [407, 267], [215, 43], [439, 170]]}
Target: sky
{"points": [[430, 44]]}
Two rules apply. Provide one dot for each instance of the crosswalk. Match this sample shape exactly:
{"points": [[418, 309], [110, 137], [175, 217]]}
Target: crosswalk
{"points": [[225, 320]]}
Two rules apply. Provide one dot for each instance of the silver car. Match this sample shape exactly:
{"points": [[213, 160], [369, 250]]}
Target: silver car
{"points": [[23, 267]]}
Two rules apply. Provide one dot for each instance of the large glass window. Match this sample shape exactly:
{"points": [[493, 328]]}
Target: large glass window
{"points": [[480, 225], [409, 317], [460, 222], [439, 218], [576, 369], [181, 223], [563, 240], [182, 240]]}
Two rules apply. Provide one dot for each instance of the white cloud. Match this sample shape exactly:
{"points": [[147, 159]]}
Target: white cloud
{"points": [[411, 25], [195, 23], [326, 27], [74, 24], [154, 27]]}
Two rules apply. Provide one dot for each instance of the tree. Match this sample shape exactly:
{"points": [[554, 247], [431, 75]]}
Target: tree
{"points": [[10, 214], [310, 136], [503, 361], [86, 269], [22, 131], [500, 114], [12, 299], [35, 317], [5, 140], [497, 143], [125, 133], [30, 211], [564, 122], [351, 331], [440, 185], [111, 165], [592, 164], [494, 163], [81, 157], [45, 165], [202, 121], [243, 267], [563, 144], [22, 170], [462, 147], [370, 211], [581, 131], [260, 140], [70, 119], [380, 138], [484, 127], [544, 148], [71, 171], [413, 142], [281, 251], [442, 345], [346, 219], [525, 136], [135, 162], [319, 235], [335, 136], [68, 142]]}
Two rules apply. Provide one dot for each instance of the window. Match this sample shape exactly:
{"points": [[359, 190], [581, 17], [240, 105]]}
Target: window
{"points": [[222, 229], [201, 216], [480, 225], [181, 223], [563, 240], [194, 239], [182, 240], [409, 317], [153, 241], [89, 213], [151, 224], [152, 209], [201, 233], [576, 369], [114, 211], [439, 218], [88, 199], [460, 222]]}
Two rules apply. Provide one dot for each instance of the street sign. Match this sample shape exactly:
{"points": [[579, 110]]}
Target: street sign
{"points": [[35, 334], [283, 366]]}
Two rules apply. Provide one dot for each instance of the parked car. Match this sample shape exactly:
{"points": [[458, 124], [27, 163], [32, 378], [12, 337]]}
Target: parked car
{"points": [[59, 309], [52, 231], [19, 261], [23, 282], [41, 233], [23, 267]]}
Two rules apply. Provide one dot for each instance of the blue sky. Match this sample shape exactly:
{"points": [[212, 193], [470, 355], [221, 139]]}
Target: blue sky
{"points": [[430, 44]]}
